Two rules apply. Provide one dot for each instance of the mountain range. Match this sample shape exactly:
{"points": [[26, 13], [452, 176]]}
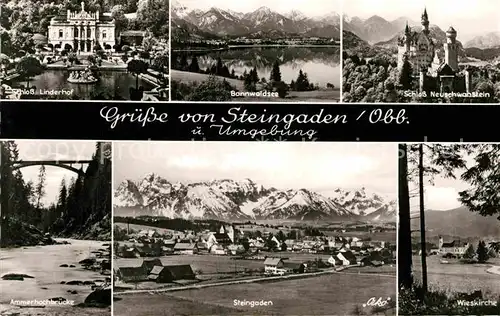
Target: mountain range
{"points": [[237, 200], [459, 222], [378, 30], [261, 23]]}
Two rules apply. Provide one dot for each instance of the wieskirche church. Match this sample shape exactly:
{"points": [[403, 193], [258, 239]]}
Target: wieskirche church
{"points": [[433, 72]]}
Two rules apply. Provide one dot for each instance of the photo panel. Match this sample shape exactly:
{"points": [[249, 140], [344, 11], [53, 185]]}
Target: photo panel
{"points": [[55, 239], [449, 229], [256, 50], [86, 50], [261, 228], [440, 51]]}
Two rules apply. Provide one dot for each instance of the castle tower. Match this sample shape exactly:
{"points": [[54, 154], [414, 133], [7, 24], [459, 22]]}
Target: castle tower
{"points": [[467, 74], [451, 49], [441, 242], [425, 21]]}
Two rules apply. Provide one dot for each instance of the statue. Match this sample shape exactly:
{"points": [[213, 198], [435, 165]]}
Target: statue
{"points": [[83, 6]]}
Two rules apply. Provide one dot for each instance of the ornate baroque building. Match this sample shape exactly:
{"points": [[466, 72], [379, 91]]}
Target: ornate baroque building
{"points": [[422, 54], [82, 31]]}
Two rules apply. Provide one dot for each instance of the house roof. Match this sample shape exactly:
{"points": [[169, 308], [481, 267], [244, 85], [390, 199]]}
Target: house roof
{"points": [[156, 270], [131, 271], [150, 263], [222, 236], [455, 243], [180, 271], [272, 261]]}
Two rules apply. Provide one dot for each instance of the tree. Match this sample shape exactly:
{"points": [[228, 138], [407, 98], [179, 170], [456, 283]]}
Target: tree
{"points": [[40, 187], [470, 253], [405, 276], [137, 67], [482, 252], [283, 246], [276, 72], [405, 78], [483, 177], [302, 83], [183, 64], [29, 67], [281, 236], [194, 66], [282, 89], [63, 195]]}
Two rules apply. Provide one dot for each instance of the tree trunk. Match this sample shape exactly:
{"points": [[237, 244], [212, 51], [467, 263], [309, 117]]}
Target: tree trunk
{"points": [[422, 216], [136, 82], [404, 235]]}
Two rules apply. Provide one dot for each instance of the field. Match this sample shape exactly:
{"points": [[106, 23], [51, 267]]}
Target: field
{"points": [[389, 236], [206, 263], [138, 228], [456, 277], [335, 294]]}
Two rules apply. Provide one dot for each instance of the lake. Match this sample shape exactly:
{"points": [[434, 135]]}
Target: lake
{"points": [[322, 64], [110, 82]]}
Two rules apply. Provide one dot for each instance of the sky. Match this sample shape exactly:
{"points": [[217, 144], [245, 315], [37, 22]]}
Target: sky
{"points": [[321, 167], [467, 17], [442, 195], [53, 150], [310, 8]]}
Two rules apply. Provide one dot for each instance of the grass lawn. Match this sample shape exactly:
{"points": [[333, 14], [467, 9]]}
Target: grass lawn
{"points": [[335, 294]]}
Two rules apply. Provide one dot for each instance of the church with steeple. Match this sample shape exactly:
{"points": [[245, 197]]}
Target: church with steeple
{"points": [[421, 52]]}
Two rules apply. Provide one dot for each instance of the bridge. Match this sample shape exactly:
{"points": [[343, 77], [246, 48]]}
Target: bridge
{"points": [[65, 164]]}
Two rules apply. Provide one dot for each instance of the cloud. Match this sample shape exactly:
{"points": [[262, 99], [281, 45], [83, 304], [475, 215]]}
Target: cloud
{"points": [[441, 198], [318, 166]]}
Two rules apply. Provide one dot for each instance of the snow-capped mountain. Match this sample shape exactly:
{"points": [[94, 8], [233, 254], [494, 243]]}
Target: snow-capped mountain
{"points": [[263, 21], [295, 15], [229, 199]]}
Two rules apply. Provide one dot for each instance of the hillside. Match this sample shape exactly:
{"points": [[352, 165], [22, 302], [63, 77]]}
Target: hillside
{"points": [[238, 200], [261, 23], [460, 222], [489, 40]]}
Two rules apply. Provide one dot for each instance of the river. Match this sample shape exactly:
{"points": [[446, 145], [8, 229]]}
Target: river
{"points": [[43, 263]]}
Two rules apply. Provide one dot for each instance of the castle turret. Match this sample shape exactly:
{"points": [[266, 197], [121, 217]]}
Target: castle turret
{"points": [[425, 21], [451, 49]]}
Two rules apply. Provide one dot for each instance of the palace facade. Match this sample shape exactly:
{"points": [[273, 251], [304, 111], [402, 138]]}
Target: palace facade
{"points": [[419, 49], [81, 31]]}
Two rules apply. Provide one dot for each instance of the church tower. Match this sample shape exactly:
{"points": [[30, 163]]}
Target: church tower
{"points": [[451, 49], [425, 21]]}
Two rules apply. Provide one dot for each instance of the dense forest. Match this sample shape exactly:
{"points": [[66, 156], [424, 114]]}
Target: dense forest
{"points": [[24, 22], [83, 208]]}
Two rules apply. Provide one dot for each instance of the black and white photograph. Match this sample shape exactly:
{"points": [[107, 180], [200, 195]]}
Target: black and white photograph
{"points": [[85, 50], [439, 51], [256, 50], [55, 233], [260, 228], [449, 229]]}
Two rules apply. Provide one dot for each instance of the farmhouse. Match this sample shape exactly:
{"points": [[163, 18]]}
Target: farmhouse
{"points": [[184, 248], [456, 247], [347, 258], [131, 274], [293, 267], [148, 265], [217, 250], [334, 261], [131, 252], [273, 265], [166, 274], [222, 239], [229, 231]]}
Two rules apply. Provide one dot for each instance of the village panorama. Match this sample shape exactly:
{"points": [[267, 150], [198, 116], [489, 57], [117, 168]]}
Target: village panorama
{"points": [[234, 247]]}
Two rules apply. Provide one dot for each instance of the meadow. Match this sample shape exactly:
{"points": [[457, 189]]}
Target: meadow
{"points": [[456, 277], [333, 294]]}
